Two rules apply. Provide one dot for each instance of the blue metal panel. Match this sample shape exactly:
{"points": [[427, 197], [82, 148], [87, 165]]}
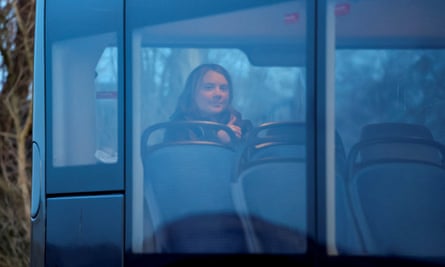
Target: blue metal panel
{"points": [[85, 231]]}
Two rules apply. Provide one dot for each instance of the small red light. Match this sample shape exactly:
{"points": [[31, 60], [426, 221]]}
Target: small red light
{"points": [[342, 9], [291, 18], [106, 94]]}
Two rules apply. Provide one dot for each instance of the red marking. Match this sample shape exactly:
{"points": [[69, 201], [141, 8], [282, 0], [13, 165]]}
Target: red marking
{"points": [[291, 18], [106, 95], [342, 9]]}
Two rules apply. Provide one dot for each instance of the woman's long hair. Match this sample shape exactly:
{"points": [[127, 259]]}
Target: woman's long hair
{"points": [[187, 108]]}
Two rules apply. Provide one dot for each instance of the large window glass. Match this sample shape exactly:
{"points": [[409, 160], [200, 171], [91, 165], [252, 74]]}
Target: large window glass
{"points": [[84, 88], [193, 191], [83, 85], [389, 97]]}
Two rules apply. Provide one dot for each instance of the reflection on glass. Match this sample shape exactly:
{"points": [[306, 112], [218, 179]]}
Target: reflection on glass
{"points": [[106, 107], [84, 83], [389, 99], [187, 196]]}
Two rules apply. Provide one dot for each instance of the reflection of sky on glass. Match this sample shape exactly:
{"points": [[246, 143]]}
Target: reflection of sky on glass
{"points": [[260, 88], [261, 93], [388, 86], [106, 106], [160, 66], [107, 66]]}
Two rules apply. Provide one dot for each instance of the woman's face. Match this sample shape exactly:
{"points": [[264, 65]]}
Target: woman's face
{"points": [[213, 94]]}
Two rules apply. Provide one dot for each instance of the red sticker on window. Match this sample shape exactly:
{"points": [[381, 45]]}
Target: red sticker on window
{"points": [[106, 94], [291, 18], [342, 9]]}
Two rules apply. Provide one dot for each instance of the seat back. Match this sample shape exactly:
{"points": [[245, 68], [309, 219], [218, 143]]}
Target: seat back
{"points": [[270, 181], [346, 235], [395, 146], [396, 183], [187, 177]]}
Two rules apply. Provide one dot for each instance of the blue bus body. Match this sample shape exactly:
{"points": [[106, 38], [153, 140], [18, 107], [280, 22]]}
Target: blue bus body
{"points": [[345, 164]]}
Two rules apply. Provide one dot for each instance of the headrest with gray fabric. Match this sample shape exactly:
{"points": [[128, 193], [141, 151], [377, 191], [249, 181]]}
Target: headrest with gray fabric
{"points": [[395, 142], [395, 129]]}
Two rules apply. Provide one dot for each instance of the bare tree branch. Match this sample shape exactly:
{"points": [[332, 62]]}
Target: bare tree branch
{"points": [[16, 67]]}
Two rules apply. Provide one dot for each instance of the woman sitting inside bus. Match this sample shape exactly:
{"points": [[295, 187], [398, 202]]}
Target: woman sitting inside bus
{"points": [[207, 96]]}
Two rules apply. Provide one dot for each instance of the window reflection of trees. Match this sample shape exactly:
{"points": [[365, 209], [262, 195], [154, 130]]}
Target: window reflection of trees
{"points": [[389, 86], [261, 93]]}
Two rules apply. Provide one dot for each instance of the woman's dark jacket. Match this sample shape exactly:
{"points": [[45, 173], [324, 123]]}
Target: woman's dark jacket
{"points": [[202, 133]]}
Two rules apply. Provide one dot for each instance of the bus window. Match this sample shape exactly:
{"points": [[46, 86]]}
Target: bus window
{"points": [[106, 106], [189, 188], [84, 81], [93, 72], [389, 92]]}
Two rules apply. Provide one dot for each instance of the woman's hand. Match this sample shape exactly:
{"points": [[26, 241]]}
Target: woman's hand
{"points": [[224, 136], [235, 128]]}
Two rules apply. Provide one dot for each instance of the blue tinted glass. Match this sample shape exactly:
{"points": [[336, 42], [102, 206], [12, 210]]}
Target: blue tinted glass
{"points": [[83, 79], [226, 167], [389, 97]]}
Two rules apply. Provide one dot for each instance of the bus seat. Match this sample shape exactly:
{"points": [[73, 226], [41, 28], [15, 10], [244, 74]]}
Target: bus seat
{"points": [[407, 150], [277, 139], [396, 180], [270, 181], [347, 241], [185, 178]]}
